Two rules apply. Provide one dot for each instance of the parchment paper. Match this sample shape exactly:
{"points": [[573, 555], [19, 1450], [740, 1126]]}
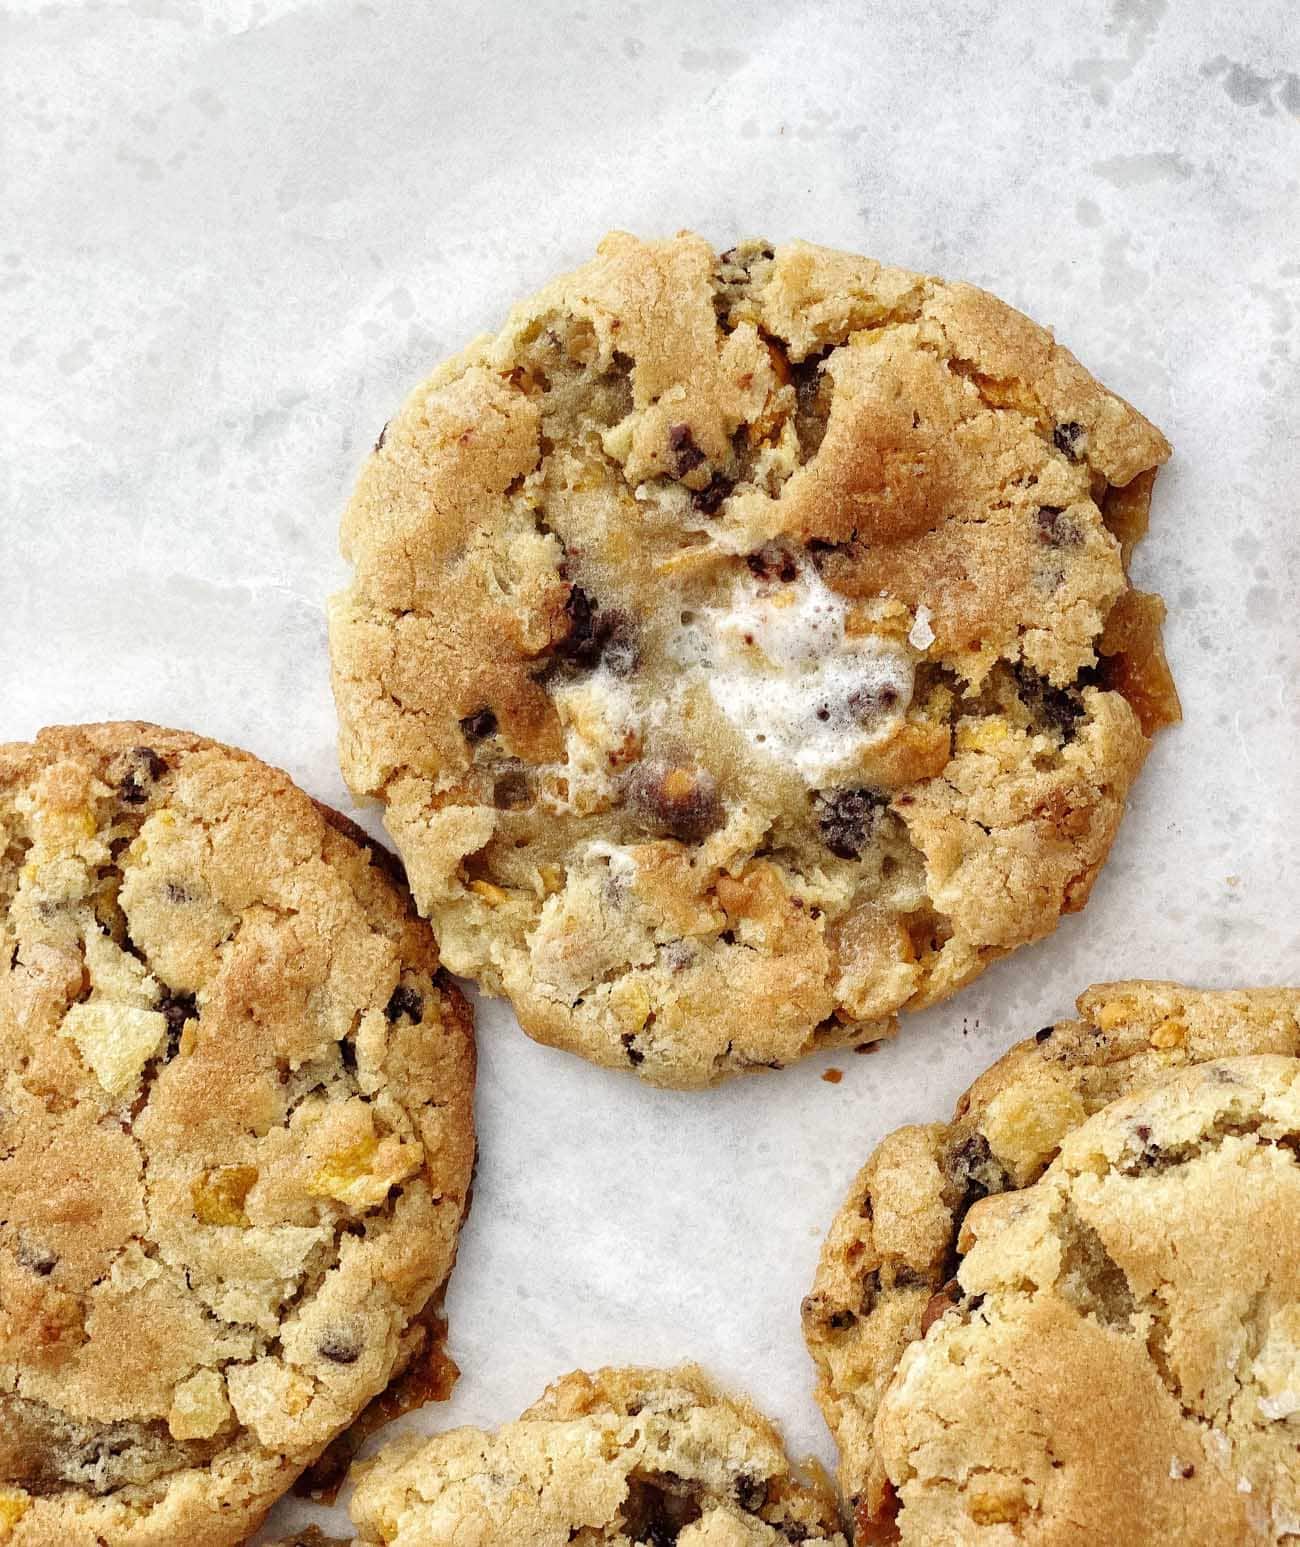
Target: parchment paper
{"points": [[238, 232]]}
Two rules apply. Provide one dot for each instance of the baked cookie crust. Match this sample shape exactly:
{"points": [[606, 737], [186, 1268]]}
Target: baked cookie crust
{"points": [[742, 649], [891, 1266], [236, 1135]]}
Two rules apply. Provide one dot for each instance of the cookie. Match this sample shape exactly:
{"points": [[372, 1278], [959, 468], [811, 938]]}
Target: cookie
{"points": [[236, 1135], [1121, 1367], [742, 649], [616, 1457], [889, 1263], [311, 1537]]}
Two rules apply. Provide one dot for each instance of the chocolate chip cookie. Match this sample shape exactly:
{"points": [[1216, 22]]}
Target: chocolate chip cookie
{"points": [[617, 1457], [742, 648], [898, 1259], [235, 1135]]}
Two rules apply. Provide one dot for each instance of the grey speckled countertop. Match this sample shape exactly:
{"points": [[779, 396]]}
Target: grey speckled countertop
{"points": [[237, 232]]}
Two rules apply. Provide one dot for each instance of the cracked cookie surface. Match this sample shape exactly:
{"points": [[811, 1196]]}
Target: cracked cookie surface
{"points": [[235, 1135], [742, 648], [894, 1263], [609, 1459]]}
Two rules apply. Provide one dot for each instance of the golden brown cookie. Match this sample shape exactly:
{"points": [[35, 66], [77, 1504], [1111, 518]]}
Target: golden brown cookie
{"points": [[889, 1269], [236, 1135], [742, 648], [604, 1460], [311, 1537], [1122, 1364]]}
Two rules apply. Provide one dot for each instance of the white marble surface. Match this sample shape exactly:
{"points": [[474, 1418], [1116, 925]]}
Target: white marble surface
{"points": [[237, 232]]}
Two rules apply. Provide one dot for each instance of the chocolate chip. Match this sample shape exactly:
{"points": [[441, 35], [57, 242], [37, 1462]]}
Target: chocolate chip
{"points": [[339, 1349], [1071, 439], [348, 1054], [511, 791], [939, 1304], [1055, 708], [1055, 529], [404, 1001], [909, 1278], [634, 1054], [176, 893], [974, 1174], [687, 456], [594, 634], [479, 725], [847, 818], [708, 500], [841, 1321], [773, 561], [678, 802], [176, 1009], [148, 767], [1043, 1033], [656, 1510], [36, 1259], [813, 390], [751, 1492], [383, 435]]}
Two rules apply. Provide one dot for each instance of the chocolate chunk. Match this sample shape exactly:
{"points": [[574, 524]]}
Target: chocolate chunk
{"points": [[772, 562], [939, 1304], [841, 1321], [1043, 1033], [656, 1509], [813, 389], [847, 818], [974, 1174], [1071, 440], [595, 634], [479, 725], [909, 1278], [708, 500], [176, 1009], [1057, 709], [1055, 529], [751, 1492], [687, 456], [511, 790], [678, 802], [339, 1348], [147, 767], [634, 1054], [404, 1001]]}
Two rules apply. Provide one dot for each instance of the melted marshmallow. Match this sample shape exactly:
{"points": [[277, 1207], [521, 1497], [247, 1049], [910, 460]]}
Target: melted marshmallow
{"points": [[783, 670]]}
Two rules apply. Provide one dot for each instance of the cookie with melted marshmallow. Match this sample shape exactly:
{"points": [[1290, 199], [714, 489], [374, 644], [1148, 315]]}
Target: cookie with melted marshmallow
{"points": [[608, 1459], [742, 649]]}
